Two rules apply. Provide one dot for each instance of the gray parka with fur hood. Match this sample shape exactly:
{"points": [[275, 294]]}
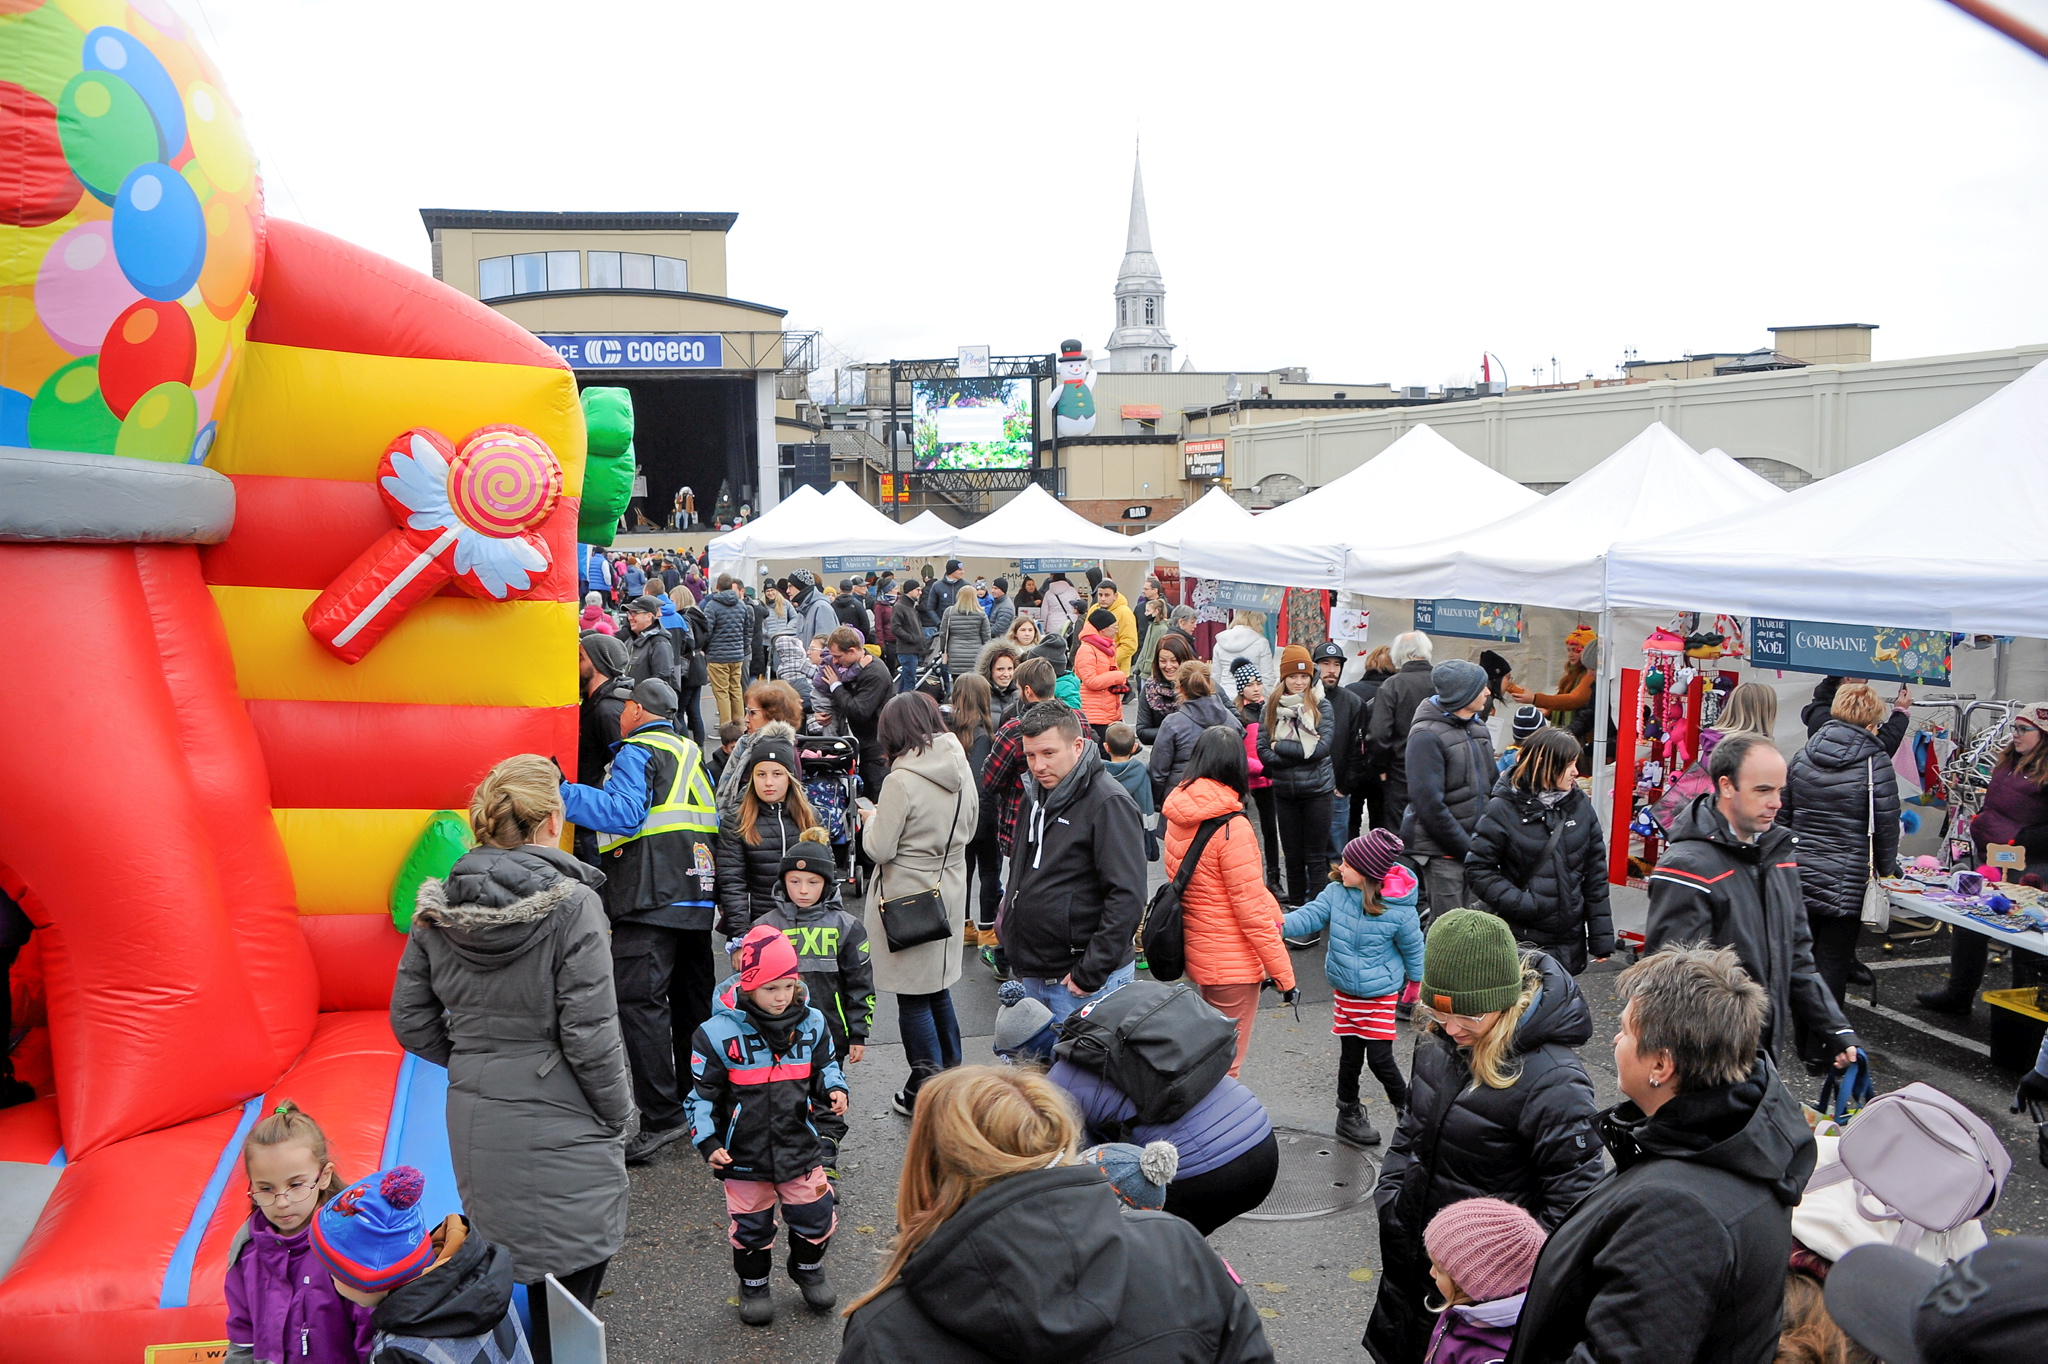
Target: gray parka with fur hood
{"points": [[507, 981]]}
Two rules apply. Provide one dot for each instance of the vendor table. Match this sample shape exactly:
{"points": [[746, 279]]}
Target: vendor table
{"points": [[1921, 907]]}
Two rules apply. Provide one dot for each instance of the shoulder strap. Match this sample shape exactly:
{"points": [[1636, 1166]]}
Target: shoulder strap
{"points": [[1193, 855]]}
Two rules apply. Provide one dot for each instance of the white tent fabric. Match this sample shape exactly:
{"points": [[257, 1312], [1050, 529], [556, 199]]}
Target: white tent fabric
{"points": [[931, 526], [1421, 487], [1883, 543], [791, 510], [1215, 515], [1551, 554], [1034, 524], [804, 527]]}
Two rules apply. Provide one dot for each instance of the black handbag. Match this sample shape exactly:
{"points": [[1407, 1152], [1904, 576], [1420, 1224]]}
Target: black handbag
{"points": [[913, 920]]}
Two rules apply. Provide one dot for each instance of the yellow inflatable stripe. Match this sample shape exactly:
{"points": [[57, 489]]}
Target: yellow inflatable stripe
{"points": [[345, 861], [303, 413], [447, 651]]}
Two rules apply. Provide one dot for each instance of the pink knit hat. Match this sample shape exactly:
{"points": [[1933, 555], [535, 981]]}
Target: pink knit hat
{"points": [[1486, 1246]]}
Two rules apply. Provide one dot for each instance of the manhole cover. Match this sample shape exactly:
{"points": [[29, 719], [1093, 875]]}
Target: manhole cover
{"points": [[1319, 1175]]}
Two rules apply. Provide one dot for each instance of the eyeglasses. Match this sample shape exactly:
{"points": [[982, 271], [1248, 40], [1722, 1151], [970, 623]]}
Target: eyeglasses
{"points": [[296, 1192]]}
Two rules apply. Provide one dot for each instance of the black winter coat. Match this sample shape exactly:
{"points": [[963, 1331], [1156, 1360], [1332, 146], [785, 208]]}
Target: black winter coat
{"points": [[731, 623], [1831, 786], [748, 873], [1077, 877], [1710, 886], [1393, 713], [1532, 1144], [1049, 1266], [1451, 770], [653, 654], [1544, 870], [597, 728], [1678, 1257], [1349, 708], [906, 627], [1297, 775], [859, 703]]}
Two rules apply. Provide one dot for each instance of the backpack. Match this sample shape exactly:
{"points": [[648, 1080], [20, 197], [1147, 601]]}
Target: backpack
{"points": [[1164, 1046], [1921, 1159], [1162, 932]]}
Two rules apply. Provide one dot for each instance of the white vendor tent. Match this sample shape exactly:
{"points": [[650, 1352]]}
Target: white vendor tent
{"points": [[1033, 525], [1216, 515], [929, 525], [807, 525], [1421, 487], [1943, 532], [1553, 553]]}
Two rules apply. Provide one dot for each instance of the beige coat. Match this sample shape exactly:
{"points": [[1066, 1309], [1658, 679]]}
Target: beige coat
{"points": [[918, 838]]}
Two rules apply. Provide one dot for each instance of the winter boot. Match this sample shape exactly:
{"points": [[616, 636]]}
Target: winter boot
{"points": [[757, 1306], [1353, 1127], [807, 1272]]}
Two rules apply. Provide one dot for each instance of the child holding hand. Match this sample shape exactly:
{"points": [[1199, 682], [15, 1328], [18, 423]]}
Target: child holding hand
{"points": [[765, 1070], [280, 1302], [1482, 1254], [1375, 946]]}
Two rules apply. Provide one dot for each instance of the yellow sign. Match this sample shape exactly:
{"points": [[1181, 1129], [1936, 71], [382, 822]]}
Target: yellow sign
{"points": [[891, 492], [201, 1352]]}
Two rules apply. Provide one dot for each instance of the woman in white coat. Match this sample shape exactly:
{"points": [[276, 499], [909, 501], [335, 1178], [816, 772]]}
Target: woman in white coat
{"points": [[1246, 638], [918, 837]]}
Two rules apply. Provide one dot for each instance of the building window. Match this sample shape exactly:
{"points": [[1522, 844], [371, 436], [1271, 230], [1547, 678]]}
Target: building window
{"points": [[565, 270], [1123, 312], [672, 274], [494, 277], [530, 273], [1151, 316], [604, 269], [1152, 364], [637, 270]]}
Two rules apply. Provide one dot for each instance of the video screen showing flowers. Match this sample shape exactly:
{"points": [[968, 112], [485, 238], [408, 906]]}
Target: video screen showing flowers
{"points": [[971, 423]]}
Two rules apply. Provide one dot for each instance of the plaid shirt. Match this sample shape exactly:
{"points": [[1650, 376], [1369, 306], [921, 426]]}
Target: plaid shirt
{"points": [[1002, 782]]}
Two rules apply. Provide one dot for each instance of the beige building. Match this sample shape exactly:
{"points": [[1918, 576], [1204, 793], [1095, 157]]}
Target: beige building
{"points": [[639, 301]]}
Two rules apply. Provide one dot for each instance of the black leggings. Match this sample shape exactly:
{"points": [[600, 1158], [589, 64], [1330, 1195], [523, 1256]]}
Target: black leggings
{"points": [[1304, 842], [1354, 1054], [1269, 835], [985, 861], [582, 1286], [1237, 1186]]}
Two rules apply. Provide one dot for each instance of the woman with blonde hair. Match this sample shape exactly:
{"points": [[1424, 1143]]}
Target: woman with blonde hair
{"points": [[990, 1180], [1499, 1106], [757, 831], [507, 981]]}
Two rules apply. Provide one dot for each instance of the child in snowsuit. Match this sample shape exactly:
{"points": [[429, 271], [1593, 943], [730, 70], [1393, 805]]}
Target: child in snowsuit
{"points": [[1482, 1252], [436, 1295], [832, 957], [1375, 946], [764, 1070]]}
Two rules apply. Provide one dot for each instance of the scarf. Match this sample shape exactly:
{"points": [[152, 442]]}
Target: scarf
{"points": [[1295, 719], [1161, 696], [778, 1030], [1106, 645]]}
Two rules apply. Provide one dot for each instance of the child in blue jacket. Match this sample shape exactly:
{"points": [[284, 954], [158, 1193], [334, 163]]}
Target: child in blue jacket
{"points": [[1375, 946]]}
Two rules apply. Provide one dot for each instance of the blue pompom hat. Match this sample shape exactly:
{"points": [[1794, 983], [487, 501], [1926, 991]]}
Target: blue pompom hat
{"points": [[372, 1235]]}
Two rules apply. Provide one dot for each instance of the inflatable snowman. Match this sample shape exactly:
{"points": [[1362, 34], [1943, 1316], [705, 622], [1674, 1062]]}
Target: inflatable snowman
{"points": [[1074, 413]]}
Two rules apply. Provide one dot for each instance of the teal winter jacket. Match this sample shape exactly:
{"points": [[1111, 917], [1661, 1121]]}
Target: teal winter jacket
{"points": [[1369, 954]]}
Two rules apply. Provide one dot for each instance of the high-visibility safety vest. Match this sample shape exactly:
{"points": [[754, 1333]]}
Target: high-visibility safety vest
{"points": [[689, 806]]}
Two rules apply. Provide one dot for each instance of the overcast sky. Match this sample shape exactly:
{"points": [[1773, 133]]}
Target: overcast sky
{"points": [[1378, 191]]}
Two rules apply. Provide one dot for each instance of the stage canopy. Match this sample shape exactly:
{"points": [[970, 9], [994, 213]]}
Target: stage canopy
{"points": [[1942, 533], [1033, 525], [1552, 553], [1216, 515], [1421, 487]]}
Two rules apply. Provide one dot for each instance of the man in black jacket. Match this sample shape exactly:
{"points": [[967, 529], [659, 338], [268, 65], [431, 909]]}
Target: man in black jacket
{"points": [[1350, 713], [852, 611], [1450, 771], [1077, 868], [1393, 712], [938, 600], [653, 653], [860, 686], [1731, 878]]}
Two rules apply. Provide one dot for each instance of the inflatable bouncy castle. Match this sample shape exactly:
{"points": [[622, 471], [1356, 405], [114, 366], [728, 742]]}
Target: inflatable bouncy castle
{"points": [[219, 433]]}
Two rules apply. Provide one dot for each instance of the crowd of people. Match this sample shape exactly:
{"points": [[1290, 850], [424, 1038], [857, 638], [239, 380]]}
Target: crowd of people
{"points": [[909, 771]]}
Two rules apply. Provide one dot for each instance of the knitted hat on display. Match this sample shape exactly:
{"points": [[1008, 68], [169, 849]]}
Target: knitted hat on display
{"points": [[1528, 720], [1294, 659], [765, 957], [372, 1235], [775, 743], [1139, 1175], [1469, 964], [1457, 682], [606, 654], [1486, 1246], [812, 853], [1244, 672], [1372, 854], [1023, 1024]]}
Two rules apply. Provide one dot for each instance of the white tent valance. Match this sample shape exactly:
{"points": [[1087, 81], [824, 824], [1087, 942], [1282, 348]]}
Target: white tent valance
{"points": [[1034, 524], [808, 524], [1215, 515]]}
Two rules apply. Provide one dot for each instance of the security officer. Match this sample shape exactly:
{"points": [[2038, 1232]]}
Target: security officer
{"points": [[657, 824]]}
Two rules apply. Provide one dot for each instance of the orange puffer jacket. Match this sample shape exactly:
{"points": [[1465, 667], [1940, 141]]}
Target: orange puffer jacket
{"points": [[1232, 920], [1098, 672]]}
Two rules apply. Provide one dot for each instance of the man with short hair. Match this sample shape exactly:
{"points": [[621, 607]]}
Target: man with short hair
{"points": [[726, 653], [1451, 771], [647, 641], [939, 599], [906, 627], [1109, 599], [1348, 709], [1393, 713], [1077, 868], [1001, 610], [656, 819], [1731, 877], [1002, 789], [858, 684], [851, 610]]}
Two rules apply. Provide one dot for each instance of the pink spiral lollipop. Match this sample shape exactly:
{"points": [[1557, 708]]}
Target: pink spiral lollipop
{"points": [[504, 481]]}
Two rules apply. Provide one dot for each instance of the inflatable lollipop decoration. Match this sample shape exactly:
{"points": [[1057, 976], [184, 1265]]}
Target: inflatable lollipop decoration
{"points": [[469, 516]]}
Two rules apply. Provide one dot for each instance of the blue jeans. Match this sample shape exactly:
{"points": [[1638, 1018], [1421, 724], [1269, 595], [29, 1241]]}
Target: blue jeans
{"points": [[906, 673], [1055, 995], [931, 1035], [1340, 824]]}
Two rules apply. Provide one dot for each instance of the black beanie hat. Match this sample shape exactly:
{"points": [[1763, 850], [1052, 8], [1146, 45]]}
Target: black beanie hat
{"points": [[776, 743], [810, 853], [1102, 618]]}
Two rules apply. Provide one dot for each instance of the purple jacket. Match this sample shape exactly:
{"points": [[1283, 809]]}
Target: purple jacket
{"points": [[2012, 804], [1225, 1124], [1478, 1333], [282, 1305]]}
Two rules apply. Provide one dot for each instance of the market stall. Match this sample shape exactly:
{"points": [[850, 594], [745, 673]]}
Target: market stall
{"points": [[1034, 525], [808, 524]]}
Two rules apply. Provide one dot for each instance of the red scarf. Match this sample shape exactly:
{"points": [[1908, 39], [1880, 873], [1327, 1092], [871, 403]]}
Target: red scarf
{"points": [[1101, 642]]}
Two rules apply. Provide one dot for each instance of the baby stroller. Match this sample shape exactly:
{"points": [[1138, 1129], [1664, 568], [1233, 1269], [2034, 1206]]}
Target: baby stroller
{"points": [[935, 680], [832, 785]]}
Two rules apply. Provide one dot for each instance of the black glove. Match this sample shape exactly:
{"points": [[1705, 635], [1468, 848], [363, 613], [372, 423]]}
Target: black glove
{"points": [[1290, 996], [2033, 1090]]}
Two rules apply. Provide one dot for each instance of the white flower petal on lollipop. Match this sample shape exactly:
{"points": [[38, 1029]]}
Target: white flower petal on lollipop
{"points": [[500, 565], [420, 483]]}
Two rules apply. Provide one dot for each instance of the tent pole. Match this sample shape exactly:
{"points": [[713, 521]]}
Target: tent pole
{"points": [[1603, 780]]}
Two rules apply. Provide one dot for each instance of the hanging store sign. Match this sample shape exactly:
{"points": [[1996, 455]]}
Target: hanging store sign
{"points": [[1056, 565], [1249, 596], [1498, 621], [667, 350], [1204, 458], [864, 563], [1866, 651]]}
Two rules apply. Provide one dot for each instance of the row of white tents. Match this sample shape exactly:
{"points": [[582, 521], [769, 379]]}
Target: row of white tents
{"points": [[1943, 532]]}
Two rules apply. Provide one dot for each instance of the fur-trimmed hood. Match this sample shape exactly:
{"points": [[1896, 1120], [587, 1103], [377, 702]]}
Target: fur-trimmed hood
{"points": [[496, 903]]}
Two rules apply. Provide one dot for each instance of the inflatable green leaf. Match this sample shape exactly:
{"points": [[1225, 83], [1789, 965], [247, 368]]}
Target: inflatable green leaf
{"points": [[608, 477], [445, 838]]}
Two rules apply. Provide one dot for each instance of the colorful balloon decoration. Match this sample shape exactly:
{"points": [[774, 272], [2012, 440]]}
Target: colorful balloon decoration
{"points": [[131, 221]]}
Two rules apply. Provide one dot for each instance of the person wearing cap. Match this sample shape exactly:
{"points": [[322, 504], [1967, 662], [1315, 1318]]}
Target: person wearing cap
{"points": [[648, 646], [906, 629], [850, 609], [1348, 709], [725, 652], [764, 1069], [1393, 715], [602, 668], [656, 818], [1499, 1106], [758, 826], [1525, 721], [1104, 683], [1001, 610], [1681, 1251], [1138, 1175], [1449, 771], [1989, 1307]]}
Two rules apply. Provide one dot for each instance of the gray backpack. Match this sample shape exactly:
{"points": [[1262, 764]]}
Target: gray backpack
{"points": [[1927, 1160]]}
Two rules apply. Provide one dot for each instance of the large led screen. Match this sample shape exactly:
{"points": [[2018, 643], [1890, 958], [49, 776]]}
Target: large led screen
{"points": [[972, 423]]}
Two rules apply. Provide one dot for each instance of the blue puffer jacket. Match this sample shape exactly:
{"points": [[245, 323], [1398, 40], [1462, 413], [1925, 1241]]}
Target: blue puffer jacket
{"points": [[1370, 955], [1228, 1122]]}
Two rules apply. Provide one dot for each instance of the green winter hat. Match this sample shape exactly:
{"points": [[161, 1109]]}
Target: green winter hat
{"points": [[1470, 965]]}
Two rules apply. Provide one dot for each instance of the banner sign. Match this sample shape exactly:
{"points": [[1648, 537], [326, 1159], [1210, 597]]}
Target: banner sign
{"points": [[1866, 651], [667, 350], [1204, 458], [1495, 620], [1249, 596], [1056, 565], [864, 563]]}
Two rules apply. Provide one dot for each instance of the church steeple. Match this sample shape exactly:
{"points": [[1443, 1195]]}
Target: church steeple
{"points": [[1140, 341]]}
